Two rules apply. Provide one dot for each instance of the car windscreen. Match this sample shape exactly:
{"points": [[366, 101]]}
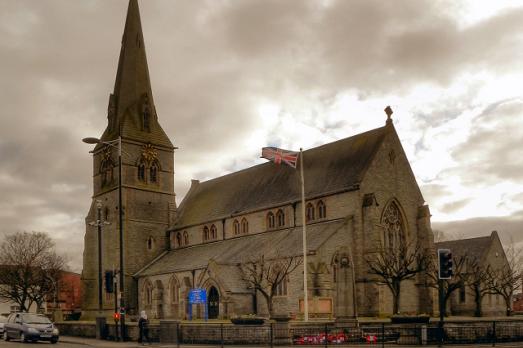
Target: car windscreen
{"points": [[35, 319]]}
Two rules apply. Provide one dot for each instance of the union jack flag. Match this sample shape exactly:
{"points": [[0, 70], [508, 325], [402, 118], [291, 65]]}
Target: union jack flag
{"points": [[279, 155]]}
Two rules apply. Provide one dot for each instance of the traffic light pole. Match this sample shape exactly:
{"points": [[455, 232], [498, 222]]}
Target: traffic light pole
{"points": [[441, 311], [116, 336]]}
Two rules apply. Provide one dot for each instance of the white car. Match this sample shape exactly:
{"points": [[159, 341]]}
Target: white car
{"points": [[2, 321]]}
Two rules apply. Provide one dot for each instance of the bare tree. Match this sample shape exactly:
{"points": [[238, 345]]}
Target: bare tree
{"points": [[395, 265], [265, 275], [458, 280], [30, 268], [477, 276], [506, 280]]}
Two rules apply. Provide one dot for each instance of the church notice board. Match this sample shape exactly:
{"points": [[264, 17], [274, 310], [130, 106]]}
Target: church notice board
{"points": [[198, 296]]}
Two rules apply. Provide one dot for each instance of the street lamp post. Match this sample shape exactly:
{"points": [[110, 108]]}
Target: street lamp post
{"points": [[91, 140], [98, 223]]}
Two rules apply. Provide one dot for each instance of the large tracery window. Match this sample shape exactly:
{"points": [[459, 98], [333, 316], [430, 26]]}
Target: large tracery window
{"points": [[394, 226]]}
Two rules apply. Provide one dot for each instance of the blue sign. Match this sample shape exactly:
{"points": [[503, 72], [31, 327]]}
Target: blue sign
{"points": [[197, 295]]}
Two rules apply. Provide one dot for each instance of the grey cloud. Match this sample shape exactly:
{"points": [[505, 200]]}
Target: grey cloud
{"points": [[509, 228], [454, 206], [490, 153]]}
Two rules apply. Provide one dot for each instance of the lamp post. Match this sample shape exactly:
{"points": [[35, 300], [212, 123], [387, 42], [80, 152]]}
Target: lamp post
{"points": [[118, 144], [98, 223]]}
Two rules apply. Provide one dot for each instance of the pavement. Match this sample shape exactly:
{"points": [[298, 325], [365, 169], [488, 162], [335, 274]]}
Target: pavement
{"points": [[91, 342]]}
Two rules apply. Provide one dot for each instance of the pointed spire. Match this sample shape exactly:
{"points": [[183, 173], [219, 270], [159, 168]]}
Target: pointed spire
{"points": [[131, 110], [132, 83]]}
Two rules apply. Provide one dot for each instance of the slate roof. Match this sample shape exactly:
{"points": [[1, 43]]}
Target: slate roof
{"points": [[281, 243], [472, 247], [329, 168]]}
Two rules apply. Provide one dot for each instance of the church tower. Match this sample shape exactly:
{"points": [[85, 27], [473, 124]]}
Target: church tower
{"points": [[147, 171]]}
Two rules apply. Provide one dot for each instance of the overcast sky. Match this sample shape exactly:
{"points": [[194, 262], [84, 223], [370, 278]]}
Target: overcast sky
{"points": [[229, 77]]}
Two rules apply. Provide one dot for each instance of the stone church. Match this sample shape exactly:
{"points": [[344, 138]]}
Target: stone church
{"points": [[360, 191]]}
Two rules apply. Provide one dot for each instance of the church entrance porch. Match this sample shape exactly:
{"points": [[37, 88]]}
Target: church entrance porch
{"points": [[213, 303]]}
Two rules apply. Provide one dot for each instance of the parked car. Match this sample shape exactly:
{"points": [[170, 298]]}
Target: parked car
{"points": [[30, 327], [2, 322]]}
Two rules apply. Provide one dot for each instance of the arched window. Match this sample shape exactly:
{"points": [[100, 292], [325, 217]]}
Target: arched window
{"points": [[270, 220], [280, 217], [214, 232], [106, 213], [392, 221], [206, 233], [141, 172], [322, 210], [309, 212], [150, 243], [178, 239], [245, 226], [236, 227], [281, 288], [153, 173], [174, 290], [146, 119], [185, 238], [148, 293], [106, 171]]}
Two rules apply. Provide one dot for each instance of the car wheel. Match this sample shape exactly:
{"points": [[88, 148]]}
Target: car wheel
{"points": [[22, 337], [6, 338], [54, 340]]}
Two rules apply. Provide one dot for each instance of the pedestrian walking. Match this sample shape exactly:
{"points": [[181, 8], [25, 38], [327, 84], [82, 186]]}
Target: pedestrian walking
{"points": [[143, 325]]}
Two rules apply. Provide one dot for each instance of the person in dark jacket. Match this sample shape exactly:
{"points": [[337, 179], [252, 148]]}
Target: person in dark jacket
{"points": [[143, 325]]}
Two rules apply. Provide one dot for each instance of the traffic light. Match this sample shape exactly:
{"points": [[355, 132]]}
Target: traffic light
{"points": [[445, 263], [109, 281]]}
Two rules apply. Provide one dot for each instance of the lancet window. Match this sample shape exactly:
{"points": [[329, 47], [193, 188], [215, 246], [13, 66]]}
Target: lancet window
{"points": [[245, 226], [280, 217], [309, 212], [322, 210]]}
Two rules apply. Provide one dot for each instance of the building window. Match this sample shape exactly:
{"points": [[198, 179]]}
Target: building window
{"points": [[148, 293], [280, 217], [322, 210], [309, 215], [281, 289], [146, 117], [178, 239], [185, 238], [106, 171], [394, 227], [153, 174], [174, 290], [462, 293], [206, 233], [236, 227], [214, 232], [270, 220], [150, 243], [141, 172], [245, 226], [106, 213]]}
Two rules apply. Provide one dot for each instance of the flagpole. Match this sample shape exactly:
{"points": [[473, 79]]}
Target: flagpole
{"points": [[305, 291]]}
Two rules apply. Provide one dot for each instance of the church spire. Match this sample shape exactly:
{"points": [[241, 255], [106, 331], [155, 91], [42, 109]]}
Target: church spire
{"points": [[131, 111]]}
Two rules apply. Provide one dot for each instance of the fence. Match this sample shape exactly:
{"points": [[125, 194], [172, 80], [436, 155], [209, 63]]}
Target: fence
{"points": [[329, 334]]}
